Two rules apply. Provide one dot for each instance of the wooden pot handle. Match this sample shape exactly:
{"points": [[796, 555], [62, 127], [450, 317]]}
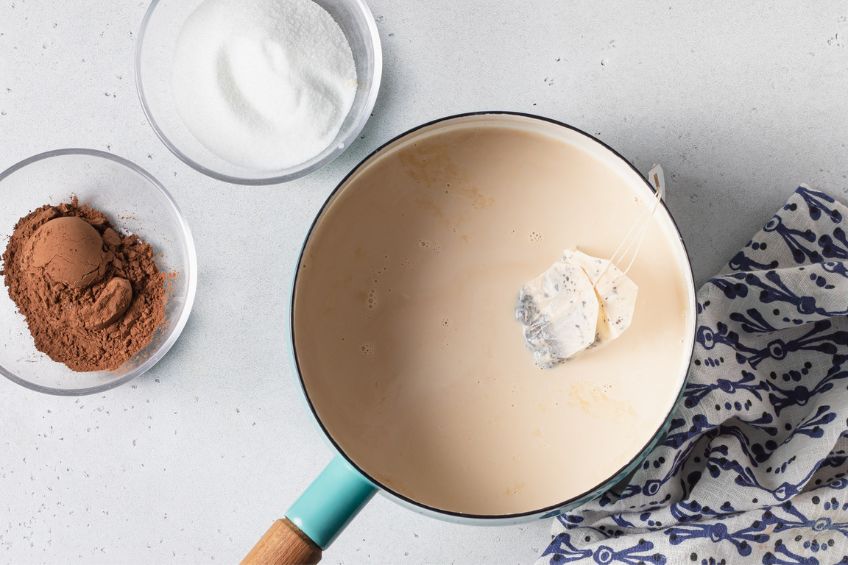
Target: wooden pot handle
{"points": [[327, 505], [283, 544]]}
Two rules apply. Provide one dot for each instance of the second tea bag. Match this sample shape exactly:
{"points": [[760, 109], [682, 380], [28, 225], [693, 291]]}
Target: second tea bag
{"points": [[616, 294]]}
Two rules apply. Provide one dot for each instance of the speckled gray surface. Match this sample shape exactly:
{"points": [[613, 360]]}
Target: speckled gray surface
{"points": [[193, 461]]}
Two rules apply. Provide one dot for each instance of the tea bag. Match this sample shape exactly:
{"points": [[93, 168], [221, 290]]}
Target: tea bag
{"points": [[616, 293], [559, 311], [582, 301]]}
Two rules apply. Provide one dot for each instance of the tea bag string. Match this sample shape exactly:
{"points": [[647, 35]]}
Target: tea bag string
{"points": [[635, 235]]}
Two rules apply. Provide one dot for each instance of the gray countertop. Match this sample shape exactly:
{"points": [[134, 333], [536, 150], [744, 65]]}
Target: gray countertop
{"points": [[740, 102]]}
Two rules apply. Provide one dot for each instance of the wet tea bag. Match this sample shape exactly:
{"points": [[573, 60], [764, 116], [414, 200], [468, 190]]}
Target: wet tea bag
{"points": [[582, 301], [616, 293], [559, 311]]}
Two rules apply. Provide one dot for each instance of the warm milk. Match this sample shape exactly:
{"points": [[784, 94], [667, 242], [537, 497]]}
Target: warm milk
{"points": [[404, 327]]}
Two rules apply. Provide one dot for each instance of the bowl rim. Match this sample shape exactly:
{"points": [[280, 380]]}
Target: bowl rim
{"points": [[291, 173], [191, 275], [553, 509]]}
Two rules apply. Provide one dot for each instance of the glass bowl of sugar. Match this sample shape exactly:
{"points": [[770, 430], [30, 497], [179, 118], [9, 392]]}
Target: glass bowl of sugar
{"points": [[258, 91]]}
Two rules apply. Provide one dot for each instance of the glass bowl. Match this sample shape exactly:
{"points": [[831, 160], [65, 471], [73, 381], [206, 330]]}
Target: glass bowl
{"points": [[134, 201], [157, 38]]}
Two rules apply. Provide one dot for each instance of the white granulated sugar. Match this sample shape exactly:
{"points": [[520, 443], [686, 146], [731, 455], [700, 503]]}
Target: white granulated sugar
{"points": [[578, 302], [263, 84]]}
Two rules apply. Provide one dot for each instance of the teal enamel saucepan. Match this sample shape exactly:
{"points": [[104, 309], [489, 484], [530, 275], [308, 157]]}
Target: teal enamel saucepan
{"points": [[405, 341]]}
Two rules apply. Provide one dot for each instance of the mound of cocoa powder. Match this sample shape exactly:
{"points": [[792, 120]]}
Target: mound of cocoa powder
{"points": [[92, 297]]}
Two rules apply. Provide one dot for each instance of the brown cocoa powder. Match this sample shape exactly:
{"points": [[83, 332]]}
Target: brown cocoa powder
{"points": [[91, 299]]}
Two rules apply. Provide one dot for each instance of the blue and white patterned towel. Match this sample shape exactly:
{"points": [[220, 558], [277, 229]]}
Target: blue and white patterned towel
{"points": [[753, 469]]}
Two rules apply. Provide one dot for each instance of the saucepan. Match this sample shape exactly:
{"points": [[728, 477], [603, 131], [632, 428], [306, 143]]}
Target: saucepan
{"points": [[405, 342]]}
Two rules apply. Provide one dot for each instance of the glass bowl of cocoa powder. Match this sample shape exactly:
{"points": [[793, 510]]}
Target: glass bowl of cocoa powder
{"points": [[99, 272]]}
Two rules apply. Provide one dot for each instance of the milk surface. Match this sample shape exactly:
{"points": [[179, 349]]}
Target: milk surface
{"points": [[404, 328]]}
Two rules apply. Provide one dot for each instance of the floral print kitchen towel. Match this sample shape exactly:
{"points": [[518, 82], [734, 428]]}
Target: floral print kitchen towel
{"points": [[753, 468]]}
